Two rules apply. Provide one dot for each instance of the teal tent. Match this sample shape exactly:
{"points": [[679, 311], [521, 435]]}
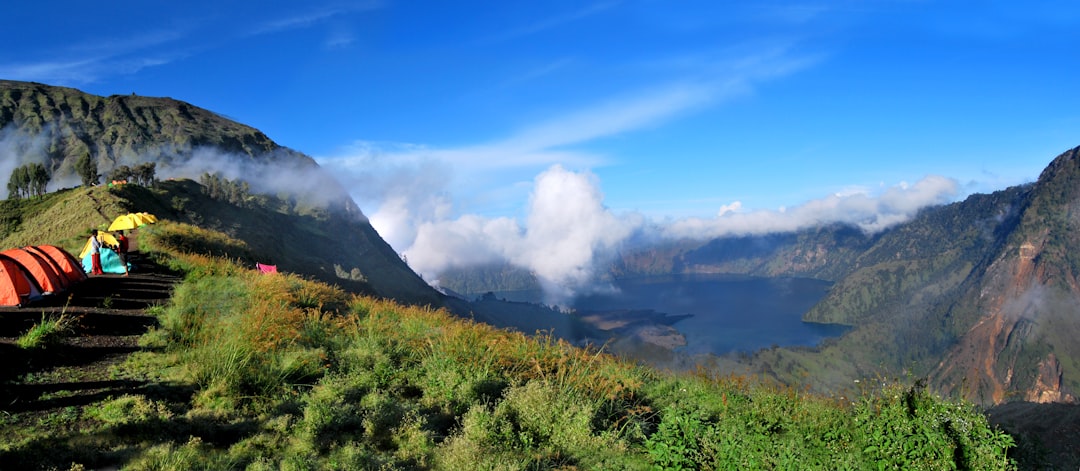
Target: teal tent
{"points": [[110, 262]]}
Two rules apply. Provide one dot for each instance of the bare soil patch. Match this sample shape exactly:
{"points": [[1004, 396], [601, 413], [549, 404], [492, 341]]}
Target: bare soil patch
{"points": [[77, 370]]}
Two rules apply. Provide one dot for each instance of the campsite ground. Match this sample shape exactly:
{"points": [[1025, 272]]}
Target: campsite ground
{"points": [[46, 384]]}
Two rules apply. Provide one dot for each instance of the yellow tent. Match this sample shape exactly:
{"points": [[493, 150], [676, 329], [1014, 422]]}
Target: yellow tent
{"points": [[131, 221], [104, 237]]}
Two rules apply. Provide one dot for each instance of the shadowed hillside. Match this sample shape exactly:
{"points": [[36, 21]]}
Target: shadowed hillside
{"points": [[338, 250]]}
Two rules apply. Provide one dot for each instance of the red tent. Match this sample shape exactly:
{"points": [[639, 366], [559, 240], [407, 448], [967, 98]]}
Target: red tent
{"points": [[66, 263], [17, 287], [43, 272]]}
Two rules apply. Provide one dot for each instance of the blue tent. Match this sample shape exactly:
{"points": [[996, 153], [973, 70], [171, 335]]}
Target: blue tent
{"points": [[110, 262]]}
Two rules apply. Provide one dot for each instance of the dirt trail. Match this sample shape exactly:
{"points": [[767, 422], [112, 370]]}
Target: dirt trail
{"points": [[111, 316]]}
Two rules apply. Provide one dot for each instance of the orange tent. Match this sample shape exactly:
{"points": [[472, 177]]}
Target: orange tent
{"points": [[66, 263], [17, 288], [52, 263], [42, 271]]}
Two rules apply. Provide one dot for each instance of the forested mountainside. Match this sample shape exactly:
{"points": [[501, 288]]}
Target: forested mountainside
{"points": [[978, 296], [308, 226]]}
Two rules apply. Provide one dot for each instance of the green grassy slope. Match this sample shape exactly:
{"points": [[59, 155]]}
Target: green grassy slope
{"points": [[323, 245]]}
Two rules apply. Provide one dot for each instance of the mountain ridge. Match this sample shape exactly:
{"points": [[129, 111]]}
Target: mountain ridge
{"points": [[333, 239], [963, 294]]}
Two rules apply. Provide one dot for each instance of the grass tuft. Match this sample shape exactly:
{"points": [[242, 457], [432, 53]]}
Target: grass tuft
{"points": [[47, 332]]}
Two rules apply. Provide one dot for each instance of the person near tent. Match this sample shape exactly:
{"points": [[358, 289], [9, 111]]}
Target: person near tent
{"points": [[95, 253], [122, 250]]}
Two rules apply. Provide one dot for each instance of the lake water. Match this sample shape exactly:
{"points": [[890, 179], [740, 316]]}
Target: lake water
{"points": [[728, 313]]}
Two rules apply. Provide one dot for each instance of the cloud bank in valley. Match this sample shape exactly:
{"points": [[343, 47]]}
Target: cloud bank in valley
{"points": [[567, 233], [871, 212]]}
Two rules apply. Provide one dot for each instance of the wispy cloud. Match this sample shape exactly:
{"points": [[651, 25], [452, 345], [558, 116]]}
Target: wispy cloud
{"points": [[55, 71], [93, 59], [339, 39], [89, 61], [554, 21], [540, 71], [543, 144], [308, 19], [554, 140]]}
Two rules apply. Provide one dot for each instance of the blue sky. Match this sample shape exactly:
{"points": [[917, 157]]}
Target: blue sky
{"points": [[682, 113]]}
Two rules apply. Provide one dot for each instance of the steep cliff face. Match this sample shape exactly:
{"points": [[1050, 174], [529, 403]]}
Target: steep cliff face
{"points": [[1026, 304], [981, 297]]}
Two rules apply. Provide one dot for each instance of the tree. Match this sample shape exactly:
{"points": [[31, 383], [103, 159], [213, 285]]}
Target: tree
{"points": [[28, 180], [15, 184], [38, 177], [145, 173], [87, 169], [142, 174], [120, 173], [232, 191]]}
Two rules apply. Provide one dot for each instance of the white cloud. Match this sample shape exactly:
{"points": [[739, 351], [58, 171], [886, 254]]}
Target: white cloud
{"points": [[867, 211], [729, 208], [567, 235], [418, 180]]}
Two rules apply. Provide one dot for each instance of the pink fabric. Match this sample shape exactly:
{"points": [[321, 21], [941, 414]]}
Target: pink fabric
{"points": [[266, 268]]}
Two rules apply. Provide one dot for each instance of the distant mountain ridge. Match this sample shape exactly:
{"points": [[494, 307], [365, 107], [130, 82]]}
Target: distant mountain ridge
{"points": [[122, 128], [979, 296]]}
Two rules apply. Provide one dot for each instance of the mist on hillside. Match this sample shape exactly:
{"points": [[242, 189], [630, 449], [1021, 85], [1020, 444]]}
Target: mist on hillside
{"points": [[271, 174], [278, 173], [18, 149]]}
